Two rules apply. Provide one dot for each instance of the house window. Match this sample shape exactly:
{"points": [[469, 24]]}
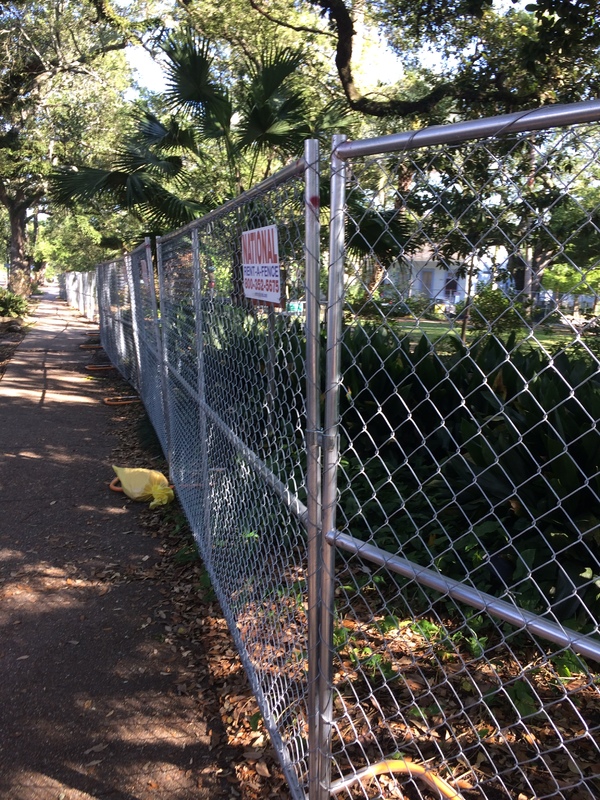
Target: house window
{"points": [[426, 276], [451, 287]]}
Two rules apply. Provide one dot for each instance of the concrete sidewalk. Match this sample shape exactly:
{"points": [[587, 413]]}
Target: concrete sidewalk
{"points": [[88, 700]]}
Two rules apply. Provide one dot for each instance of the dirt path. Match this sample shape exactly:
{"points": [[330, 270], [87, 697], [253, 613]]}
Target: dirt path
{"points": [[91, 697]]}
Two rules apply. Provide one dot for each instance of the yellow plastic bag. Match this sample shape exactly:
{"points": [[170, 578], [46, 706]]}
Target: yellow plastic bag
{"points": [[143, 484]]}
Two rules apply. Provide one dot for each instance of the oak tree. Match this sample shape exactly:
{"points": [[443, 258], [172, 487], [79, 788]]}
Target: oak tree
{"points": [[50, 52]]}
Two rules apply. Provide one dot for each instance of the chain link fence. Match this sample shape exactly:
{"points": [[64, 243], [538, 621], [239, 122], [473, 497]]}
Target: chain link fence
{"points": [[462, 588], [146, 333], [426, 624], [79, 290], [237, 383], [116, 312]]}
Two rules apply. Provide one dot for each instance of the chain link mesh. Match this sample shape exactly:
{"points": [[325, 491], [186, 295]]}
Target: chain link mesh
{"points": [[466, 587], [148, 336], [116, 319], [235, 376], [469, 449], [80, 291]]}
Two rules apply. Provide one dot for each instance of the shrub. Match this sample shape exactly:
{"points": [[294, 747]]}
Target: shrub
{"points": [[418, 306], [12, 305], [494, 311], [516, 488]]}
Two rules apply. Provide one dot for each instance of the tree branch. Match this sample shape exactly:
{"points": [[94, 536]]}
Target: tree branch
{"points": [[30, 76], [339, 15], [280, 22]]}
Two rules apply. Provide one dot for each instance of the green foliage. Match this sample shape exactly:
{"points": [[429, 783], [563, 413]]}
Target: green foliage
{"points": [[77, 242], [229, 128], [61, 84], [523, 699], [186, 554], [12, 305], [206, 587], [516, 492], [568, 664], [494, 311], [255, 720], [419, 307]]}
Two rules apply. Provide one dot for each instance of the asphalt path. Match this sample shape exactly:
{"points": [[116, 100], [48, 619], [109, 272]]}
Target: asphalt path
{"points": [[88, 700]]}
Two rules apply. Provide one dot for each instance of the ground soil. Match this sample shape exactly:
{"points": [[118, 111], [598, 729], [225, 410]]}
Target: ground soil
{"points": [[118, 677], [9, 341]]}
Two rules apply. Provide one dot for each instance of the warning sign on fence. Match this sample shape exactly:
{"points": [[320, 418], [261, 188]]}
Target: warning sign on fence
{"points": [[260, 259]]}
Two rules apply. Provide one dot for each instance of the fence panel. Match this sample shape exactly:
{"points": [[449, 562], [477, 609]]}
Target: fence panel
{"points": [[80, 291], [147, 338], [116, 313], [462, 486], [237, 384]]}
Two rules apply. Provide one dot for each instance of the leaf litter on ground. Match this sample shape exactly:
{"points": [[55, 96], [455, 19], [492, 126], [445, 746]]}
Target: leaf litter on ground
{"points": [[194, 626]]}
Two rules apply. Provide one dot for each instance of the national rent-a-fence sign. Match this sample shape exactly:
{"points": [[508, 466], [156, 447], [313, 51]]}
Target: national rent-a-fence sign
{"points": [[260, 260]]}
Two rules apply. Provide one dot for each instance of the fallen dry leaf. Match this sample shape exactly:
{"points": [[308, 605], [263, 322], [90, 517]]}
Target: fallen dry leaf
{"points": [[97, 748], [262, 769], [253, 755]]}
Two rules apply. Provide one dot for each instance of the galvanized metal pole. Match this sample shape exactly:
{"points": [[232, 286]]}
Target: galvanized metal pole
{"points": [[204, 440], [535, 119], [150, 270], [313, 447], [135, 302], [330, 458], [164, 360]]}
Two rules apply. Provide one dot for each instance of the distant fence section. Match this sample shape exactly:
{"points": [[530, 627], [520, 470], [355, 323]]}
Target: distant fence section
{"points": [[395, 485], [80, 290]]}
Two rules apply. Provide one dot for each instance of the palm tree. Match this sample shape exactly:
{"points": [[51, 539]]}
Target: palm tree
{"points": [[237, 130], [148, 162]]}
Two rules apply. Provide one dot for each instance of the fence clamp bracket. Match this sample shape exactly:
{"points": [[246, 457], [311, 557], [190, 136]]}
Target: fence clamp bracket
{"points": [[329, 441], [314, 438], [322, 440]]}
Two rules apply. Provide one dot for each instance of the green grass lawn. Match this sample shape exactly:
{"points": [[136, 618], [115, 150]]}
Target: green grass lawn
{"points": [[548, 337]]}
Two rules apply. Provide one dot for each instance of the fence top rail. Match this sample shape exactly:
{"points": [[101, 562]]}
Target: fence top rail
{"points": [[141, 247], [119, 260], [551, 116], [287, 173]]}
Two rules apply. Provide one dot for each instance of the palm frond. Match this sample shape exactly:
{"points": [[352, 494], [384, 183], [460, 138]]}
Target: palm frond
{"points": [[133, 159], [265, 128], [172, 135], [68, 187], [273, 112], [139, 193], [336, 117], [273, 69], [158, 207], [191, 85]]}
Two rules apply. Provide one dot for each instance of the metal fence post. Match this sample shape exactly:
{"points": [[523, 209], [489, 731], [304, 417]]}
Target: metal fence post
{"points": [[330, 456], [313, 448], [201, 383], [164, 364], [157, 344], [135, 301]]}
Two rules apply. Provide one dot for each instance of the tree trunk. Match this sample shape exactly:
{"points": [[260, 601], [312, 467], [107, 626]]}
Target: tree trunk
{"points": [[467, 309], [17, 206], [376, 277], [18, 280]]}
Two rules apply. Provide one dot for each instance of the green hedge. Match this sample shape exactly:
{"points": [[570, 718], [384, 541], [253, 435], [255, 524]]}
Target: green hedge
{"points": [[483, 463]]}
